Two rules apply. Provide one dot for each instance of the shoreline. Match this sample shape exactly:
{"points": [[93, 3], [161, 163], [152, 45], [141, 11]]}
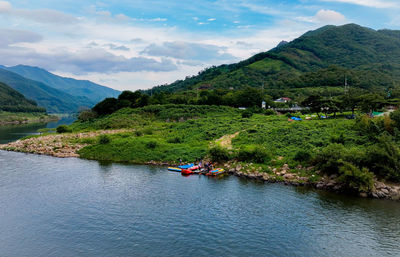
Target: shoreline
{"points": [[63, 146], [27, 120]]}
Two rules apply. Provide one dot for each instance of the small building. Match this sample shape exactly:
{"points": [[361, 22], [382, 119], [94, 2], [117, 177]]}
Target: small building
{"points": [[283, 100]]}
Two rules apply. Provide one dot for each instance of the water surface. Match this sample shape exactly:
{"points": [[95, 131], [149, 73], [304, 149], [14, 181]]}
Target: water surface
{"points": [[73, 207]]}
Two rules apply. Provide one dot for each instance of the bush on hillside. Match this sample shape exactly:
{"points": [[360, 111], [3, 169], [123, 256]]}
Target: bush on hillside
{"points": [[151, 144], [219, 153], [104, 139], [255, 154], [63, 129], [247, 114], [356, 179]]}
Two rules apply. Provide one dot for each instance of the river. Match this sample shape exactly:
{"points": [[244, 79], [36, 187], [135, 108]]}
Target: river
{"points": [[74, 207]]}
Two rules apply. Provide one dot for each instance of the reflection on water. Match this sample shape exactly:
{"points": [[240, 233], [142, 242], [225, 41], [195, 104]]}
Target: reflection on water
{"points": [[73, 207]]}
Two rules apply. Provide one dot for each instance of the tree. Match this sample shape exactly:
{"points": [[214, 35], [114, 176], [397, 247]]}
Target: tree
{"points": [[314, 102], [107, 106], [371, 102]]}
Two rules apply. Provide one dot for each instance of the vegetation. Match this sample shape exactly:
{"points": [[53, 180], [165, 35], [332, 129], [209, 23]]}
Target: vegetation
{"points": [[317, 63], [12, 101], [356, 151]]}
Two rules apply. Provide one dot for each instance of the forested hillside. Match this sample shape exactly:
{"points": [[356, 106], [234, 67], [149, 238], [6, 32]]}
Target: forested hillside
{"points": [[12, 101], [369, 59]]}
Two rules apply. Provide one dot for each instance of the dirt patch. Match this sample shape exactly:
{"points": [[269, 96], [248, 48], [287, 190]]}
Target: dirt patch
{"points": [[226, 141]]}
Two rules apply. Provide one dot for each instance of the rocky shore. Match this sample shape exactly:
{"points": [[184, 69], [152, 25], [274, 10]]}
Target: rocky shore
{"points": [[287, 176]]}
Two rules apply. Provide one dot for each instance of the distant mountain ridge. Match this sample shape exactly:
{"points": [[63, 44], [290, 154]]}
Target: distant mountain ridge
{"points": [[369, 58], [55, 101], [55, 93], [78, 88], [13, 101]]}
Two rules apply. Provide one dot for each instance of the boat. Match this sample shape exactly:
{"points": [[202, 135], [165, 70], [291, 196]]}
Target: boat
{"points": [[174, 169], [187, 166], [187, 172], [216, 172]]}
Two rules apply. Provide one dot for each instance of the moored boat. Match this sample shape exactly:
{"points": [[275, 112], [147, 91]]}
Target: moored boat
{"points": [[174, 169], [216, 172]]}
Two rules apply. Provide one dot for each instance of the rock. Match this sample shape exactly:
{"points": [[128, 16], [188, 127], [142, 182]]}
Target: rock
{"points": [[331, 184], [363, 195], [385, 191], [289, 176], [379, 185], [381, 194], [285, 167], [265, 177]]}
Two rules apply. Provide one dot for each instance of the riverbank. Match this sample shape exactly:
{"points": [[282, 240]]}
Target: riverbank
{"points": [[340, 155], [70, 144], [9, 118]]}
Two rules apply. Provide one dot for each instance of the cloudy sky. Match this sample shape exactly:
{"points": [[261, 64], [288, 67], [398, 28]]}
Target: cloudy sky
{"points": [[137, 44]]}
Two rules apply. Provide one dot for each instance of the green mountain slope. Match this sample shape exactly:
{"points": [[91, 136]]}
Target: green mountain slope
{"points": [[368, 58], [55, 101], [13, 101], [78, 88]]}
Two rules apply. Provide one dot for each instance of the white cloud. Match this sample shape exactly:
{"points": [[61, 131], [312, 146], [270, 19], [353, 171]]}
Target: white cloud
{"points": [[324, 17], [41, 15], [369, 3], [11, 36], [329, 16], [189, 51]]}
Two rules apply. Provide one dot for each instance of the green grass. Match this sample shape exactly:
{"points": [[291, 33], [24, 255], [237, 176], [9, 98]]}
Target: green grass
{"points": [[190, 139]]}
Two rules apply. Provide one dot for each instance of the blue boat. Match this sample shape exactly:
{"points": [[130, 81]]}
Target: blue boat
{"points": [[187, 166]]}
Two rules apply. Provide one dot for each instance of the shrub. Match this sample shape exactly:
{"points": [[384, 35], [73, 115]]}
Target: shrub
{"points": [[303, 156], [63, 129], [175, 140], [384, 159], [355, 179], [218, 153], [87, 115], [138, 133], [256, 154], [269, 112], [247, 114], [148, 131], [104, 139], [330, 158], [151, 144]]}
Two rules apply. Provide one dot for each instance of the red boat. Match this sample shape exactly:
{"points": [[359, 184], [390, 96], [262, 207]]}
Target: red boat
{"points": [[186, 172]]}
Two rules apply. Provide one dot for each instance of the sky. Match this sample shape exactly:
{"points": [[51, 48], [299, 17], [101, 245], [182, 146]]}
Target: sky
{"points": [[138, 44]]}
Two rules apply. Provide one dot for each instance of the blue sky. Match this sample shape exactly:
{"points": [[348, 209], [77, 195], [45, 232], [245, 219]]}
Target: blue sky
{"points": [[142, 43]]}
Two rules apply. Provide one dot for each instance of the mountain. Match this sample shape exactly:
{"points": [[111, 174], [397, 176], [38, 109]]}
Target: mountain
{"points": [[55, 101], [323, 57], [78, 88], [13, 101]]}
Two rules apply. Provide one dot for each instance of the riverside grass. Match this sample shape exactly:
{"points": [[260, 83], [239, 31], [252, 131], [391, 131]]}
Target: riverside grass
{"points": [[187, 133]]}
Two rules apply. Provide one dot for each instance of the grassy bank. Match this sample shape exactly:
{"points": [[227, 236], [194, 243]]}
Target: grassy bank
{"points": [[9, 118]]}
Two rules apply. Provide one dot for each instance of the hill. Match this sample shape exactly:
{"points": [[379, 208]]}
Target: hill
{"points": [[55, 101], [13, 101], [78, 88], [323, 57]]}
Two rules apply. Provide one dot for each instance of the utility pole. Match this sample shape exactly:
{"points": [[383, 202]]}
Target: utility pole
{"points": [[346, 87]]}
